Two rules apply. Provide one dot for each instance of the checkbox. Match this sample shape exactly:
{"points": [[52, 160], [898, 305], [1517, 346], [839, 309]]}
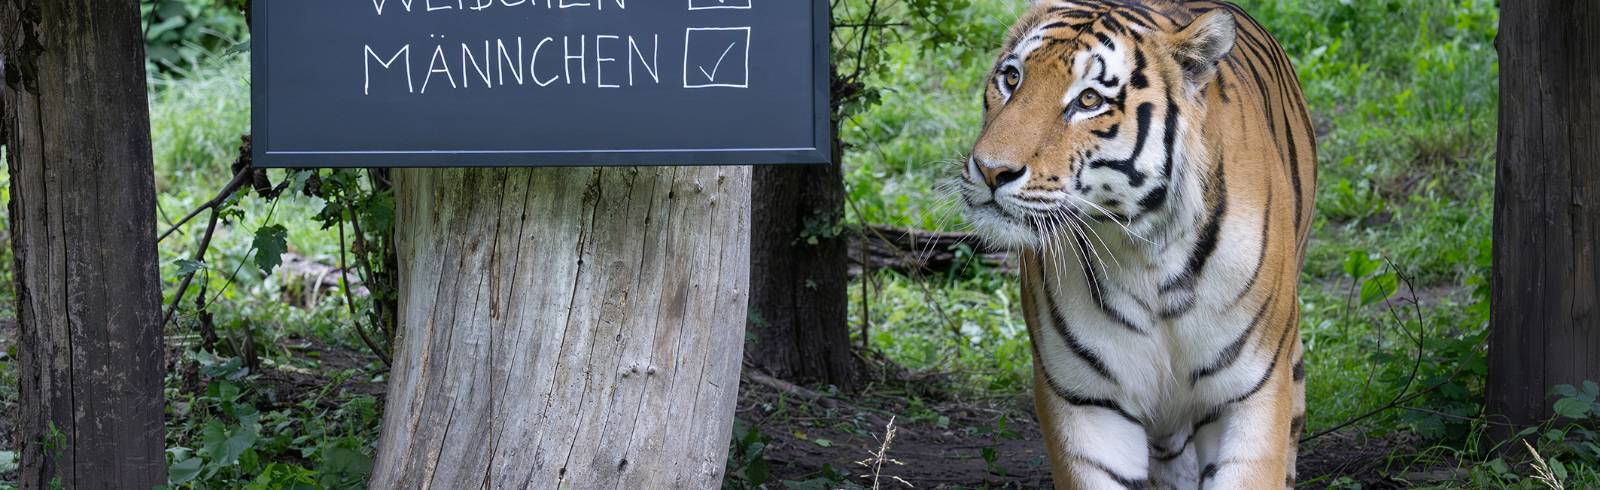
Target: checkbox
{"points": [[716, 57], [718, 4]]}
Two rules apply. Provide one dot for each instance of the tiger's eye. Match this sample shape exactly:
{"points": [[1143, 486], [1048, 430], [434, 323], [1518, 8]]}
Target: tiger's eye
{"points": [[1013, 77], [1090, 99]]}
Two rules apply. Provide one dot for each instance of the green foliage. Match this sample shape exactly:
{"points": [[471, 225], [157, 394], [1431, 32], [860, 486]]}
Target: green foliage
{"points": [[271, 242], [180, 33], [8, 394], [1566, 447], [747, 463], [925, 114], [862, 29], [232, 426], [972, 325], [1577, 404], [220, 439]]}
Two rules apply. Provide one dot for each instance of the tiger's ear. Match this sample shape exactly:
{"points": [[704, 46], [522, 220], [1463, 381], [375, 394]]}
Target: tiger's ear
{"points": [[1199, 46]]}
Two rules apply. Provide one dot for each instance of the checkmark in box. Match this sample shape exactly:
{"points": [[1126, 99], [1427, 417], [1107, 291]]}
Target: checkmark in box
{"points": [[718, 4], [716, 57]]}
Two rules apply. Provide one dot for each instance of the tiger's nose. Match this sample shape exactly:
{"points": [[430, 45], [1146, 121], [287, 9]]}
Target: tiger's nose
{"points": [[999, 175]]}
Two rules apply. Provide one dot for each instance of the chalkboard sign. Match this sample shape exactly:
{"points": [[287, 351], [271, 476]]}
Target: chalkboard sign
{"points": [[457, 83]]}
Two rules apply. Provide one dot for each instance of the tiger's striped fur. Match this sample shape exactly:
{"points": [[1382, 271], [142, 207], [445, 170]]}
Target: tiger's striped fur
{"points": [[1162, 221]]}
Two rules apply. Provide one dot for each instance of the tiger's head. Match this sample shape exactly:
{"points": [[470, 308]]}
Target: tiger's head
{"points": [[1087, 117]]}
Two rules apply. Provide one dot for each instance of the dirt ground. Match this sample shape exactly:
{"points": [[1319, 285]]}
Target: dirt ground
{"points": [[938, 444], [948, 455], [932, 452]]}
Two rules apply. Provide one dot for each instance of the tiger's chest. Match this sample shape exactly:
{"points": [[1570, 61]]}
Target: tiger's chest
{"points": [[1165, 347]]}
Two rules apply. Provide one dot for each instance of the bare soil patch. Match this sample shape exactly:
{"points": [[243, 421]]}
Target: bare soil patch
{"points": [[949, 454]]}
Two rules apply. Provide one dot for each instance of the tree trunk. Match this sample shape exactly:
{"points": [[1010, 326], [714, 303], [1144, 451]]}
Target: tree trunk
{"points": [[566, 327], [77, 127], [798, 271], [1546, 287]]}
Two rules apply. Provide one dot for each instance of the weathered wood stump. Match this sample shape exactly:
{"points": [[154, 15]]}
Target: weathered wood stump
{"points": [[570, 327], [77, 134], [1546, 286]]}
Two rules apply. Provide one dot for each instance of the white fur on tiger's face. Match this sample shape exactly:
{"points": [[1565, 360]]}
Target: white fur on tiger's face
{"points": [[1153, 162]]}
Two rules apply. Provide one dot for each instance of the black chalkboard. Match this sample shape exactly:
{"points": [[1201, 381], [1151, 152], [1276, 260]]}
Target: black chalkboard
{"points": [[458, 83]]}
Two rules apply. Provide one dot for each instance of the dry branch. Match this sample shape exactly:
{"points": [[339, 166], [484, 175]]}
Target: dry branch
{"points": [[908, 250]]}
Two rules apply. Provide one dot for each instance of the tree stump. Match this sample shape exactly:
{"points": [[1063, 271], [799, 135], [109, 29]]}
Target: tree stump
{"points": [[566, 327], [1546, 286], [83, 221]]}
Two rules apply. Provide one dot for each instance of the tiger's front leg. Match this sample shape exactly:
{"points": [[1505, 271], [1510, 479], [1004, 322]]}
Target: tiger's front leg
{"points": [[1251, 444], [1091, 447]]}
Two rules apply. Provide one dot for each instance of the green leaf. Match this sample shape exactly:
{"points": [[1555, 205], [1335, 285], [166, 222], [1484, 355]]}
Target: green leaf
{"points": [[271, 242], [187, 266], [1359, 265], [990, 455], [171, 8], [183, 471], [1567, 391], [756, 472], [823, 442], [344, 463], [1572, 408], [224, 445], [1379, 288], [831, 474]]}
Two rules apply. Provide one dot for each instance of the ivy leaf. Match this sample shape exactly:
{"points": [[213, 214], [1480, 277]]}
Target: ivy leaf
{"points": [[271, 242]]}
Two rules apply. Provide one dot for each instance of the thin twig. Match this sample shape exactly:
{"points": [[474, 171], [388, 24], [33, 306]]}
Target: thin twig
{"points": [[366, 271], [199, 256], [1405, 394], [239, 179], [350, 301], [232, 278], [1373, 412], [916, 276]]}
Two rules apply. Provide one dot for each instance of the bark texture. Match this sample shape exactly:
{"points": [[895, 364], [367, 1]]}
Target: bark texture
{"points": [[77, 129], [1546, 286], [798, 270], [572, 327]]}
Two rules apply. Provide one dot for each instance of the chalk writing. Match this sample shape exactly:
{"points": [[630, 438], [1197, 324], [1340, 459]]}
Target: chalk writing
{"points": [[712, 57]]}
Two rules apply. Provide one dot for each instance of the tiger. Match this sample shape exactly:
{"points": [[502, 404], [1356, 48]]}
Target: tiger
{"points": [[1153, 164]]}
